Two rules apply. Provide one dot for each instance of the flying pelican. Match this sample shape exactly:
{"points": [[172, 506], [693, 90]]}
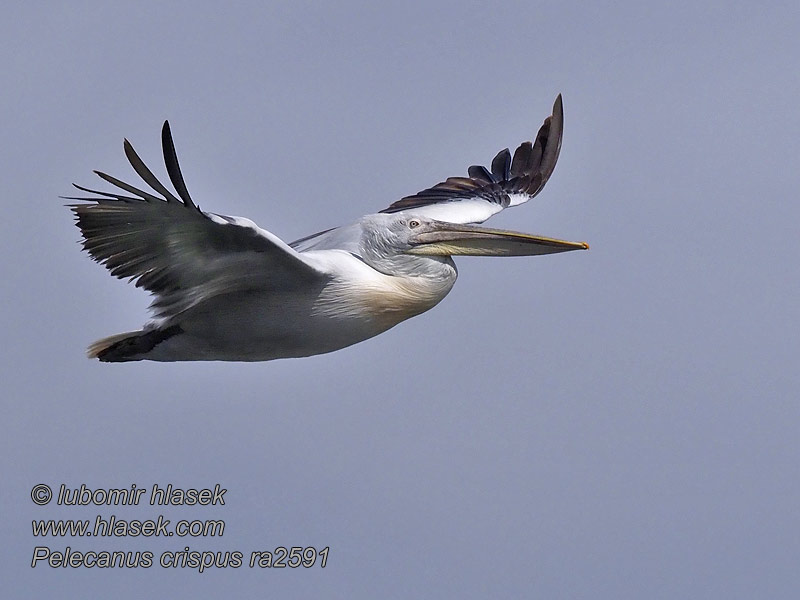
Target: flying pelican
{"points": [[225, 289]]}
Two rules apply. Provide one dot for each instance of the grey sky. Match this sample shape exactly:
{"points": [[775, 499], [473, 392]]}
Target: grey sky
{"points": [[614, 423]]}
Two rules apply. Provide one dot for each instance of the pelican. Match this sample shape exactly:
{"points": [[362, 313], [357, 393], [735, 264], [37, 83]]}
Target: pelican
{"points": [[225, 289]]}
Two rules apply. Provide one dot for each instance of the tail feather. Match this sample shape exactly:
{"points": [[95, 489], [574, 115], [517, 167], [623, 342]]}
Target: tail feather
{"points": [[132, 345], [97, 348]]}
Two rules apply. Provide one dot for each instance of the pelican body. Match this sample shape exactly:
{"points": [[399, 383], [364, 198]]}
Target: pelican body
{"points": [[225, 289]]}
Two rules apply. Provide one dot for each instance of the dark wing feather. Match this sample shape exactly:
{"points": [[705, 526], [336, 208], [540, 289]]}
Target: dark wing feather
{"points": [[173, 168], [511, 181], [501, 165], [145, 173], [173, 249]]}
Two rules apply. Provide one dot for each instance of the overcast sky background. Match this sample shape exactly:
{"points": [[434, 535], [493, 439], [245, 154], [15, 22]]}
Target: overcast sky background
{"points": [[618, 423]]}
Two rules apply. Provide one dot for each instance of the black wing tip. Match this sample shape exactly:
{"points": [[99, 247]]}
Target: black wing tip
{"points": [[525, 172], [102, 175], [127, 147], [501, 165], [166, 132], [173, 167], [558, 114]]}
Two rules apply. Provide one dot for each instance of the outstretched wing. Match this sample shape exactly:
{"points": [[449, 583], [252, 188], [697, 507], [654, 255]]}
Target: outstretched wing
{"points": [[183, 255], [484, 193]]}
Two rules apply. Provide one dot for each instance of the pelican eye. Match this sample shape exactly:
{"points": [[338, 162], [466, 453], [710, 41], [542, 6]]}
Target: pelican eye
{"points": [[413, 223]]}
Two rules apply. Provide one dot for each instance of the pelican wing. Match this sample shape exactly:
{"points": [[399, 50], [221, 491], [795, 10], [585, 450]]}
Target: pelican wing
{"points": [[485, 192], [183, 255]]}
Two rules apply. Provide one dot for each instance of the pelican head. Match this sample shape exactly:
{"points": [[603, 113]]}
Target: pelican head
{"points": [[395, 234], [437, 238], [395, 243]]}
